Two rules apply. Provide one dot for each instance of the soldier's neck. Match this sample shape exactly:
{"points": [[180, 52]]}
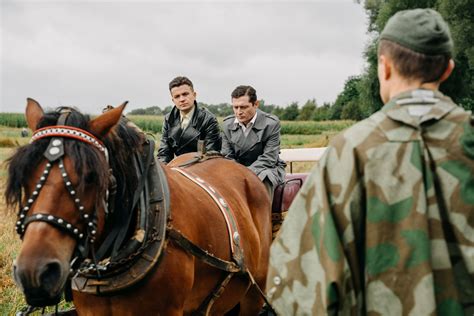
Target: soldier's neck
{"points": [[403, 85]]}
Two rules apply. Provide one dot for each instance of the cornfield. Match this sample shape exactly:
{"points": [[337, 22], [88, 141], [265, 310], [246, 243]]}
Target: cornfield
{"points": [[12, 119], [154, 124]]}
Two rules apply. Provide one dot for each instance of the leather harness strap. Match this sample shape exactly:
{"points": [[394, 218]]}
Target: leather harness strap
{"points": [[232, 228]]}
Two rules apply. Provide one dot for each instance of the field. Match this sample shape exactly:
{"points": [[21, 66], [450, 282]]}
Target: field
{"points": [[311, 134]]}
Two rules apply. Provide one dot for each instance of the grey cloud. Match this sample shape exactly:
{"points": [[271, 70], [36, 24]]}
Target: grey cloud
{"points": [[91, 54]]}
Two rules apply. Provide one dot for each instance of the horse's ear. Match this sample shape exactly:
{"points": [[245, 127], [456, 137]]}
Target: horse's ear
{"points": [[102, 124], [33, 113]]}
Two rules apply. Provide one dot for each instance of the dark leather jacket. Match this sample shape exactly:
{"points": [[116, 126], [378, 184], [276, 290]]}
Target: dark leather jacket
{"points": [[175, 141]]}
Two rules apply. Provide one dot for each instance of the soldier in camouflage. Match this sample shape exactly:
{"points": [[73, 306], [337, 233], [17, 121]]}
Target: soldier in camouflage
{"points": [[385, 222]]}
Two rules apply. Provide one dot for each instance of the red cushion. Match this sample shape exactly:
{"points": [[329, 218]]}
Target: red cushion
{"points": [[286, 192]]}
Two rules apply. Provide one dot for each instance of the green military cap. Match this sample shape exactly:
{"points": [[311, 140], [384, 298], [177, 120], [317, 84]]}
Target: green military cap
{"points": [[421, 30]]}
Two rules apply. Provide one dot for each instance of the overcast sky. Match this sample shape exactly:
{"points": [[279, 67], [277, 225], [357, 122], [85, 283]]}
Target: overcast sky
{"points": [[93, 53]]}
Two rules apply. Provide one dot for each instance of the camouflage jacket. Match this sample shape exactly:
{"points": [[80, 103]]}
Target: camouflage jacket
{"points": [[374, 230]]}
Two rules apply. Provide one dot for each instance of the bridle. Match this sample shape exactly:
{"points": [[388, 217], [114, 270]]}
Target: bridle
{"points": [[54, 154]]}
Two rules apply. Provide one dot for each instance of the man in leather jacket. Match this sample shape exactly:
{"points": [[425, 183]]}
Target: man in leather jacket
{"points": [[187, 123], [252, 138]]}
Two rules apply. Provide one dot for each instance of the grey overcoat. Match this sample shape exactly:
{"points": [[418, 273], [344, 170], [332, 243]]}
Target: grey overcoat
{"points": [[260, 150]]}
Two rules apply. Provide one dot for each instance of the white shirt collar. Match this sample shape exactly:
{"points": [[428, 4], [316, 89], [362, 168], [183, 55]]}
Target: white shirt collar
{"points": [[187, 115]]}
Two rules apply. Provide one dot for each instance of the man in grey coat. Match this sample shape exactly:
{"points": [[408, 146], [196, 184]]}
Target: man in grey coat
{"points": [[252, 138]]}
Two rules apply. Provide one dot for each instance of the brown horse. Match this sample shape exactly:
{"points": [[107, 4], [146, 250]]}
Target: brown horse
{"points": [[75, 184]]}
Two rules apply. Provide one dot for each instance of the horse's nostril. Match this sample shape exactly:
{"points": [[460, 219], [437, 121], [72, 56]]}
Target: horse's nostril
{"points": [[51, 274]]}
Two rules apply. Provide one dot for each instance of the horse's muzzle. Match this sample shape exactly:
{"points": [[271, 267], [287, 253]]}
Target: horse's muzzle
{"points": [[42, 284]]}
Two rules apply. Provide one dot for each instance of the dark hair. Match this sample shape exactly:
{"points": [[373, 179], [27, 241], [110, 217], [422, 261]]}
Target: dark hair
{"points": [[179, 81], [240, 91], [414, 65]]}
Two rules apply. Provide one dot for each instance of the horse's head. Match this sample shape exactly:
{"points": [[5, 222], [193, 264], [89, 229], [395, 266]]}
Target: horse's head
{"points": [[59, 181]]}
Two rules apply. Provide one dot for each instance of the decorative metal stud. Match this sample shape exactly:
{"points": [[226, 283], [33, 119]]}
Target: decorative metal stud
{"points": [[64, 175], [81, 208], [60, 221], [38, 186], [76, 230], [90, 224], [30, 200], [81, 235], [38, 216], [54, 150], [93, 232], [43, 178], [56, 142], [68, 225], [26, 208], [48, 165], [22, 215], [77, 200], [236, 237], [50, 217], [35, 192], [61, 166], [85, 215], [68, 183], [73, 192]]}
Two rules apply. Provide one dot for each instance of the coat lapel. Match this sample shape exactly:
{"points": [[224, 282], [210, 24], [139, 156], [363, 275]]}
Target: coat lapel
{"points": [[237, 136], [175, 128], [254, 136]]}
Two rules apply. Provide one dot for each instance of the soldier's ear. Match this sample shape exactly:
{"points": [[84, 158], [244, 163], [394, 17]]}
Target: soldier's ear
{"points": [[448, 71], [385, 67], [257, 103]]}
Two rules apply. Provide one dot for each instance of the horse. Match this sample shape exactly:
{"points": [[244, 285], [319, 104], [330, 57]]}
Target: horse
{"points": [[121, 234]]}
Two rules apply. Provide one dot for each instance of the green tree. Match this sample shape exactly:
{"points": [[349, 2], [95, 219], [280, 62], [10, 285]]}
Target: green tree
{"points": [[307, 110], [152, 110], [352, 111], [460, 16], [350, 93], [268, 108], [167, 109], [321, 113], [279, 112], [291, 112]]}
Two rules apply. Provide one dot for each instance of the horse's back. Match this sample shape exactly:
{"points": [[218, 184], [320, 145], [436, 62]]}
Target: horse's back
{"points": [[241, 189], [204, 223]]}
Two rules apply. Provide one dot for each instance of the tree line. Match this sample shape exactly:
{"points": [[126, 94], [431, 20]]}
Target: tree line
{"points": [[359, 97]]}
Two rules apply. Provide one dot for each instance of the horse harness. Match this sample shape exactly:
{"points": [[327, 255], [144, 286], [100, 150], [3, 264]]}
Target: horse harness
{"points": [[139, 255], [54, 154]]}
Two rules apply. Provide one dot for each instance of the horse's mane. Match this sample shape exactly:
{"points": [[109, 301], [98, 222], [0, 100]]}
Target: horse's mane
{"points": [[90, 165]]}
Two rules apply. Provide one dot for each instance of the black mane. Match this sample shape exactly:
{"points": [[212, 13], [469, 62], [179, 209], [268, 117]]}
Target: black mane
{"points": [[90, 165]]}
